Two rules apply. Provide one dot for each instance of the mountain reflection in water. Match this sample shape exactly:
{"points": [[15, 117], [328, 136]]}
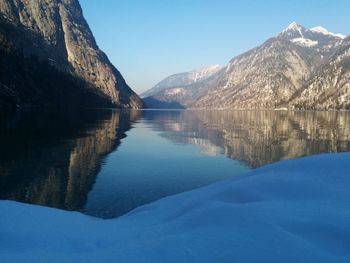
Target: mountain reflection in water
{"points": [[258, 138], [52, 159], [56, 159]]}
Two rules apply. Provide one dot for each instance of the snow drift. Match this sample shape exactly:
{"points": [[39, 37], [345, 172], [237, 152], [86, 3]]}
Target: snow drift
{"points": [[292, 211]]}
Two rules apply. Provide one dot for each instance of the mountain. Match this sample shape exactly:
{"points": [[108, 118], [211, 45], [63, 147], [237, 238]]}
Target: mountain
{"points": [[296, 69], [328, 87], [180, 90], [267, 77], [56, 33], [315, 37], [28, 81]]}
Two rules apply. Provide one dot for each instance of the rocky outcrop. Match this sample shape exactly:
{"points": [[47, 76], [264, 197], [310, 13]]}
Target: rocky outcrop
{"points": [[57, 32]]}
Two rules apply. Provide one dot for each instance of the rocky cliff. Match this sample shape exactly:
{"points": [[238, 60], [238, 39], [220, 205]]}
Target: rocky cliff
{"points": [[56, 32]]}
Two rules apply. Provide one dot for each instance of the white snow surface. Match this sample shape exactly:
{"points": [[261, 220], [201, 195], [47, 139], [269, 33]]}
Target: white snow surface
{"points": [[304, 42], [292, 211], [324, 31]]}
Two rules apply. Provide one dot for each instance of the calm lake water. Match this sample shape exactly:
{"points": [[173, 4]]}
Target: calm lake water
{"points": [[107, 162]]}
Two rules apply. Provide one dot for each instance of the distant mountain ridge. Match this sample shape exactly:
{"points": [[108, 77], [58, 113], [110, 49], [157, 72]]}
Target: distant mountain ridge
{"points": [[183, 79], [274, 74], [181, 89], [56, 33]]}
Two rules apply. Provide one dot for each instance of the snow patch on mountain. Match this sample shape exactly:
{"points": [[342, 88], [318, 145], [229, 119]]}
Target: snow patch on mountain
{"points": [[324, 31], [316, 36], [304, 42], [294, 26], [184, 79], [205, 72], [175, 91]]}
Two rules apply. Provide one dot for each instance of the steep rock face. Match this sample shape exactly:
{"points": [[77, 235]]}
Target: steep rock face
{"points": [[29, 81], [57, 31], [329, 87], [267, 76], [180, 90]]}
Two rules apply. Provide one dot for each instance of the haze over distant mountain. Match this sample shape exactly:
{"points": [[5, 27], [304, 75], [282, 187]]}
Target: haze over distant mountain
{"points": [[56, 33], [280, 73], [182, 89]]}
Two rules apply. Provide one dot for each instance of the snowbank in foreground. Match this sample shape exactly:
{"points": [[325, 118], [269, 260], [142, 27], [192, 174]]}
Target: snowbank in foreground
{"points": [[293, 211]]}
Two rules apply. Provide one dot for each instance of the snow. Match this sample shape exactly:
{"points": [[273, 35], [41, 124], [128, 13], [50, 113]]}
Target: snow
{"points": [[324, 31], [183, 79], [304, 42], [204, 73], [175, 91], [292, 211], [294, 26], [319, 29]]}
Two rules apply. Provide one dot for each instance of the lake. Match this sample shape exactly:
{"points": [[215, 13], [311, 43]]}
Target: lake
{"points": [[107, 162]]}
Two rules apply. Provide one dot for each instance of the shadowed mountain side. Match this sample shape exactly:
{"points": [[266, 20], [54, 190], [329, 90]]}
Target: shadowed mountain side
{"points": [[258, 137], [57, 33], [31, 81], [153, 103], [60, 155]]}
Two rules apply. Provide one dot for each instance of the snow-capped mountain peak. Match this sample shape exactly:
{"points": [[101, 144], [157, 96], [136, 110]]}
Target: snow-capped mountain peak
{"points": [[322, 30], [314, 37], [294, 30], [294, 26]]}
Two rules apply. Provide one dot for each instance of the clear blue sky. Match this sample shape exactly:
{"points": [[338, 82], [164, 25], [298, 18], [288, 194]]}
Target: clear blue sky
{"points": [[148, 40]]}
